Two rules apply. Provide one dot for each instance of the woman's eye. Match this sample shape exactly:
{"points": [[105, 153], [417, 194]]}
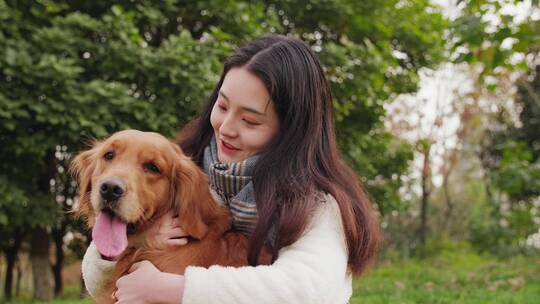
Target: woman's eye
{"points": [[151, 167], [109, 155], [222, 108], [251, 123]]}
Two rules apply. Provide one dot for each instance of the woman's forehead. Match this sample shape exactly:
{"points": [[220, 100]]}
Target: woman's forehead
{"points": [[244, 89]]}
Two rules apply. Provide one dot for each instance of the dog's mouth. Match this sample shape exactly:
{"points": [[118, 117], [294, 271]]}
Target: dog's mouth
{"points": [[131, 227], [110, 233], [109, 211]]}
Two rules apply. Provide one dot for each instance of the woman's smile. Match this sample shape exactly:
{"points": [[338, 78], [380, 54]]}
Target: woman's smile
{"points": [[227, 148]]}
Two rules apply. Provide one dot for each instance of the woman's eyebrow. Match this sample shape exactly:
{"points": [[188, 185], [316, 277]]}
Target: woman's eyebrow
{"points": [[248, 109]]}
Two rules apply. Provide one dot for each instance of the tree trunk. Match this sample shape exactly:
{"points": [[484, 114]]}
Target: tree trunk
{"points": [[423, 213], [58, 236], [11, 257], [449, 204], [39, 249], [426, 175], [8, 286], [19, 279], [41, 266]]}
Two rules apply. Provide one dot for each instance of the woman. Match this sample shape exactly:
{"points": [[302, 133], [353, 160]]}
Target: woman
{"points": [[271, 115]]}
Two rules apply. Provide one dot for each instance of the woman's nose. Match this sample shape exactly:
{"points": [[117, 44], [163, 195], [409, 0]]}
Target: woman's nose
{"points": [[228, 127]]}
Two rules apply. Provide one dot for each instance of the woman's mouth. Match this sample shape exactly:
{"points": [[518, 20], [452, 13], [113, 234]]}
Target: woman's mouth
{"points": [[228, 147]]}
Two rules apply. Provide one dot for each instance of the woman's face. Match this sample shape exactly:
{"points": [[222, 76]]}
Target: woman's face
{"points": [[243, 117]]}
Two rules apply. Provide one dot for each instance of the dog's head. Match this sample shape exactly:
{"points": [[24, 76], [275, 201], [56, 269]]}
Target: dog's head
{"points": [[133, 177]]}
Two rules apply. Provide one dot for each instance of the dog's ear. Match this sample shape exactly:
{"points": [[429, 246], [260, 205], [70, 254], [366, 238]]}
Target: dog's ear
{"points": [[192, 201], [81, 168]]}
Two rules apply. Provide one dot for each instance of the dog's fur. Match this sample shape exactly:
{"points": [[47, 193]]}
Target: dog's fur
{"points": [[180, 185]]}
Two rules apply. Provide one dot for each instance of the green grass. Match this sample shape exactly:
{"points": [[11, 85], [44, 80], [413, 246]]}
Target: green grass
{"points": [[62, 301], [451, 278], [70, 296]]}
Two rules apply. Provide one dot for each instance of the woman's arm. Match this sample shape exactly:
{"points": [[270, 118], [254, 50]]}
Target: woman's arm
{"points": [[312, 270], [96, 271]]}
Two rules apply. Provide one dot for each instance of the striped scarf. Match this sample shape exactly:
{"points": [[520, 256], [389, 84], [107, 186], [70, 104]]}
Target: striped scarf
{"points": [[232, 182]]}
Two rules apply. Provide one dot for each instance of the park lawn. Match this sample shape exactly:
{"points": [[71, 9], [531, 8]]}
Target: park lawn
{"points": [[70, 296], [451, 278]]}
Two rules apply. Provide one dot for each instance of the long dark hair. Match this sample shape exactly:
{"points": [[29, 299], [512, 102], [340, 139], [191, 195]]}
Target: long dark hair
{"points": [[303, 159]]}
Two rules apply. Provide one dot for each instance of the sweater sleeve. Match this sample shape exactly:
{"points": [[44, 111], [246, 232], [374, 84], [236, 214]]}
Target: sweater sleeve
{"points": [[312, 270], [96, 272]]}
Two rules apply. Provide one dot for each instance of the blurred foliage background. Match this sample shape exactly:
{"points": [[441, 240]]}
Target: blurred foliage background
{"points": [[460, 166]]}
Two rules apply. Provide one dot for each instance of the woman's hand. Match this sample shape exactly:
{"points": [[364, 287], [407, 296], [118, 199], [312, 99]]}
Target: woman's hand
{"points": [[165, 231], [135, 287]]}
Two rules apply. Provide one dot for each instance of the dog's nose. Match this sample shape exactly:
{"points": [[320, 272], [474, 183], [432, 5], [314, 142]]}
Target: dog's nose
{"points": [[112, 190]]}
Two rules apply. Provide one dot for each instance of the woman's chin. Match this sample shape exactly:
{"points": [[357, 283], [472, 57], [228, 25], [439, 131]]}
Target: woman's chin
{"points": [[226, 158]]}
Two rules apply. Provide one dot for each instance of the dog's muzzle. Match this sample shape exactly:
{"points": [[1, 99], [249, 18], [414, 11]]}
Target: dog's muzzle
{"points": [[111, 190]]}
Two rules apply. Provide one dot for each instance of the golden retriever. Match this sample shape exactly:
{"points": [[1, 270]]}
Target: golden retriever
{"points": [[131, 179]]}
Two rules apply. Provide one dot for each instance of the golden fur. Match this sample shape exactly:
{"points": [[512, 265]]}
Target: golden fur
{"points": [[180, 185]]}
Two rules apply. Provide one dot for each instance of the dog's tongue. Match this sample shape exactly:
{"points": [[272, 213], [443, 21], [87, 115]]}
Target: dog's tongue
{"points": [[110, 235]]}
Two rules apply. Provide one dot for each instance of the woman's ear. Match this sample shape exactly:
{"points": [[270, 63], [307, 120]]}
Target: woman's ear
{"points": [[82, 167]]}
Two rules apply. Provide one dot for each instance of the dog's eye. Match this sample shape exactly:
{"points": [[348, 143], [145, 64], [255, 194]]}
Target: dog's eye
{"points": [[109, 155], [151, 167]]}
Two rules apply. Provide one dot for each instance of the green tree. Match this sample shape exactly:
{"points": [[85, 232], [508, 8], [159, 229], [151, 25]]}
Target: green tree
{"points": [[506, 49], [71, 71]]}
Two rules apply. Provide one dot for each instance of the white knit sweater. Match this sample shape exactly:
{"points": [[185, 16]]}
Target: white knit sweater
{"points": [[312, 270]]}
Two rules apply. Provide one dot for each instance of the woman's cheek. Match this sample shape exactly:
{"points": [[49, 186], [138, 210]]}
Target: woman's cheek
{"points": [[257, 140], [215, 119]]}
